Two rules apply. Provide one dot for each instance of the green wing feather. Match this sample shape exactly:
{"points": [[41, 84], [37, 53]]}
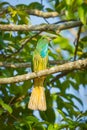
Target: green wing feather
{"points": [[40, 55]]}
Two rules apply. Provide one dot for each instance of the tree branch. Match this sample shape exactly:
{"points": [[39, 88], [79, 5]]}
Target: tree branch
{"points": [[28, 64], [15, 65], [76, 65], [37, 12], [41, 27], [42, 14]]}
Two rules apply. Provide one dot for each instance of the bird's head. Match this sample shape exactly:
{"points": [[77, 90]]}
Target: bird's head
{"points": [[42, 46]]}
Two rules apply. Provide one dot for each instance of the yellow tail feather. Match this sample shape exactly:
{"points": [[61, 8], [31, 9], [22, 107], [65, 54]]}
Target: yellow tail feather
{"points": [[37, 99]]}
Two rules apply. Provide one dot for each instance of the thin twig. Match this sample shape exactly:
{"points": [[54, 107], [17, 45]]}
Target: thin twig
{"points": [[46, 21], [11, 100], [17, 51], [23, 45], [76, 42], [63, 21], [41, 2], [59, 76], [14, 117]]}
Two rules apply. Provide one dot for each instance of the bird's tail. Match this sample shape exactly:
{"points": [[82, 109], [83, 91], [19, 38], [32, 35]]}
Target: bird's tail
{"points": [[37, 99]]}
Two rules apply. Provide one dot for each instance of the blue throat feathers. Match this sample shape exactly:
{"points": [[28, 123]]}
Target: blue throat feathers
{"points": [[44, 51]]}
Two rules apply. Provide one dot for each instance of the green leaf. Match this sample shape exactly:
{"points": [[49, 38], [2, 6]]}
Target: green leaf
{"points": [[49, 10], [69, 13], [1, 111], [50, 127], [35, 5], [79, 2], [64, 44], [39, 127], [82, 11], [49, 115], [68, 2], [61, 113], [5, 106], [78, 99], [31, 119], [60, 6], [2, 4]]}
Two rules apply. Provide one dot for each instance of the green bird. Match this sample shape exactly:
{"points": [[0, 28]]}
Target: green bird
{"points": [[40, 60]]}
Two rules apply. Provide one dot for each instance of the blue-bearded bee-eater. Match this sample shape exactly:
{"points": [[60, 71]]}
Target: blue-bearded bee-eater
{"points": [[40, 60]]}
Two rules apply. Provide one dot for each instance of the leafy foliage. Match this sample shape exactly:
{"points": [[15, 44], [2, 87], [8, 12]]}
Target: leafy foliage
{"points": [[62, 110]]}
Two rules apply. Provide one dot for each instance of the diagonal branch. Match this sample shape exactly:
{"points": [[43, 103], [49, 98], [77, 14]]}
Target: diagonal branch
{"points": [[24, 43], [41, 27], [76, 65], [64, 73]]}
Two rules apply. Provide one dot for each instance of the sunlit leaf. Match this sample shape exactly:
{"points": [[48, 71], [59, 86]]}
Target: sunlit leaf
{"points": [[6, 106], [82, 10]]}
